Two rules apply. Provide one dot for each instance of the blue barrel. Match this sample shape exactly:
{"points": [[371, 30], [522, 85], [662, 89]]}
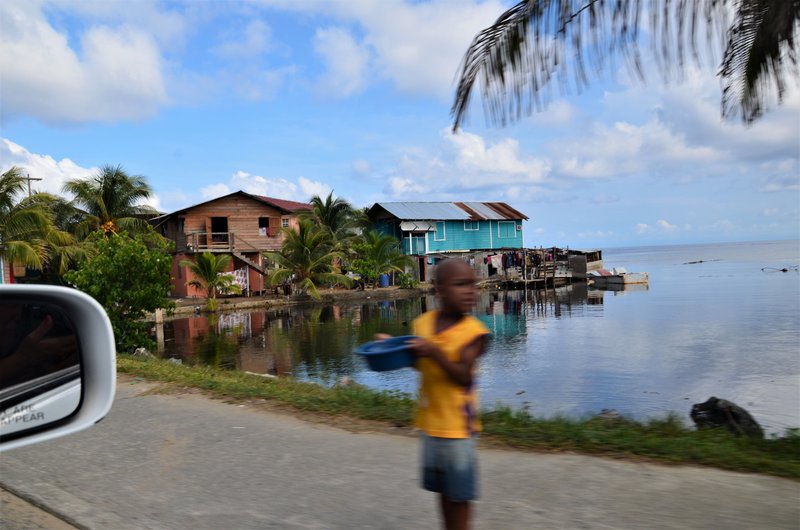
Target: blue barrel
{"points": [[383, 280]]}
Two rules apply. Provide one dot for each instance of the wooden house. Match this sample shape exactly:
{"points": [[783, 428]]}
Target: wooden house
{"points": [[239, 224], [430, 230], [445, 227]]}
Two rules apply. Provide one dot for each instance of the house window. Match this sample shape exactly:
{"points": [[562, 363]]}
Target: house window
{"points": [[263, 226], [471, 225], [285, 222], [439, 234], [506, 230]]}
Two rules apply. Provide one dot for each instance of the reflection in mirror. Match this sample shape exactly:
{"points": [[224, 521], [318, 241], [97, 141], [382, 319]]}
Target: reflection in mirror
{"points": [[39, 366]]}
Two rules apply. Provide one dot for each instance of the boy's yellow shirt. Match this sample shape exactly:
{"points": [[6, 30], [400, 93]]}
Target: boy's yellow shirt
{"points": [[446, 409]]}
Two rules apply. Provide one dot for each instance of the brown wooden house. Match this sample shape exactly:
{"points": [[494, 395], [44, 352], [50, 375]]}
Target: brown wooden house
{"points": [[239, 224]]}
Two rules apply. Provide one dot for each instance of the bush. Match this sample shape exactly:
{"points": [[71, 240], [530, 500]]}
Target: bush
{"points": [[129, 277]]}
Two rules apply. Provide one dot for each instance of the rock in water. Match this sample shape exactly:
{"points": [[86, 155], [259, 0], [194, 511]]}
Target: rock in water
{"points": [[716, 413]]}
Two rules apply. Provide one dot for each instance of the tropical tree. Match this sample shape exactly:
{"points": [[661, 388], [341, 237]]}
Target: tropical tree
{"points": [[518, 56], [130, 277], [378, 254], [111, 201], [334, 215], [306, 259], [27, 233], [210, 274]]}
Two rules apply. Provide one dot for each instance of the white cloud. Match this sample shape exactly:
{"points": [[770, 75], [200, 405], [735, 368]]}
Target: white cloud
{"points": [[309, 188], [346, 61], [115, 74], [280, 188], [666, 226], [642, 228], [254, 40], [465, 166], [214, 190], [415, 45], [53, 173]]}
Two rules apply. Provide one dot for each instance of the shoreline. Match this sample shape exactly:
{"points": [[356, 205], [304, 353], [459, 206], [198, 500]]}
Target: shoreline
{"points": [[185, 307]]}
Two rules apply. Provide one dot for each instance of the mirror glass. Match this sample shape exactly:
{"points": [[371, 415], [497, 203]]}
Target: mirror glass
{"points": [[40, 370]]}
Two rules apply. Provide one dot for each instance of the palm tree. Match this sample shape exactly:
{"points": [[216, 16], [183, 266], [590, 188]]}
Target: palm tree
{"points": [[110, 201], [378, 254], [27, 233], [210, 274], [517, 57], [335, 215], [306, 259]]}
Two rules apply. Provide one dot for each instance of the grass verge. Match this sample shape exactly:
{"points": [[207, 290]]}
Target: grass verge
{"points": [[665, 440]]}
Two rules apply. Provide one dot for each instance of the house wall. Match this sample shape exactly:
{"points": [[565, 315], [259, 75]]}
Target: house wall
{"points": [[243, 216], [463, 235], [181, 275]]}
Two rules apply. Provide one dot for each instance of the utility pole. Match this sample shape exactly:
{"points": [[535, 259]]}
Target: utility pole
{"points": [[29, 179]]}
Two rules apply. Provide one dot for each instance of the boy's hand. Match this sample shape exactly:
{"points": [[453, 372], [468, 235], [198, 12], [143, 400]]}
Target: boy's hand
{"points": [[422, 347], [381, 336]]}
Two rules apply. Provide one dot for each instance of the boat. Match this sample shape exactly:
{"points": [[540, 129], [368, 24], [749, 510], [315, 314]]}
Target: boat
{"points": [[616, 276]]}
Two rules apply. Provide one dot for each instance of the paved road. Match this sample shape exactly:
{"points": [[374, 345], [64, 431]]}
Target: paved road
{"points": [[189, 462]]}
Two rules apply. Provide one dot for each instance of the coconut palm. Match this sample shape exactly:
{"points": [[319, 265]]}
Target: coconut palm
{"points": [[110, 200], [378, 254], [27, 233], [335, 215], [306, 259], [210, 274], [517, 57]]}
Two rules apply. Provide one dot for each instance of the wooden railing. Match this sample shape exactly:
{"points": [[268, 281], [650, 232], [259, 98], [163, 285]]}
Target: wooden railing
{"points": [[226, 242]]}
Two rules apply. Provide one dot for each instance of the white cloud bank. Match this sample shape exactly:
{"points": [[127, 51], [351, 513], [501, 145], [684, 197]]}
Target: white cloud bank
{"points": [[114, 74], [301, 190], [53, 173]]}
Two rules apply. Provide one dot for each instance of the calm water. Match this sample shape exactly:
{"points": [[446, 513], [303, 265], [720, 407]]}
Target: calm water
{"points": [[722, 327]]}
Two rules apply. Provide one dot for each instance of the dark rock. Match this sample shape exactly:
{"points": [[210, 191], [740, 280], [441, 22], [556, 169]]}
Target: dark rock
{"points": [[720, 413]]}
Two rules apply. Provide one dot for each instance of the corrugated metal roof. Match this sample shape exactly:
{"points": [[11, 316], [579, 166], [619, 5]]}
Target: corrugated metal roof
{"points": [[439, 211], [483, 211]]}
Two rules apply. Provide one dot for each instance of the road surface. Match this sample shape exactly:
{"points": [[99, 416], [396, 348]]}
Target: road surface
{"points": [[184, 461]]}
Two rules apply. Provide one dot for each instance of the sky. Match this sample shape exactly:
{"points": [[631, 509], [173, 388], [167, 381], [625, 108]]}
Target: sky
{"points": [[291, 99]]}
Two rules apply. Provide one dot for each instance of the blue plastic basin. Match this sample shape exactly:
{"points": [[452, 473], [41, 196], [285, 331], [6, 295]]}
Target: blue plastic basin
{"points": [[389, 354]]}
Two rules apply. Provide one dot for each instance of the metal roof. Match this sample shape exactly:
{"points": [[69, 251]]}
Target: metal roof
{"points": [[439, 211], [280, 204], [446, 211]]}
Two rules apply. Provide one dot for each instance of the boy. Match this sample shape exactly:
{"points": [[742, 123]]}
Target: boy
{"points": [[450, 341]]}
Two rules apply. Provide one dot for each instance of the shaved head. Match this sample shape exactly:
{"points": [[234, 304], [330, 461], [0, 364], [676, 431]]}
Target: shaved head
{"points": [[447, 268]]}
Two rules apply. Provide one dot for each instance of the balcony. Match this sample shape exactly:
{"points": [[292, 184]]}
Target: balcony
{"points": [[228, 242]]}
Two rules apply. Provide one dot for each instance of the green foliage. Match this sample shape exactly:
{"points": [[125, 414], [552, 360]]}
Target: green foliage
{"points": [[406, 280], [306, 259], [27, 233], [130, 277], [110, 201], [378, 253], [209, 270]]}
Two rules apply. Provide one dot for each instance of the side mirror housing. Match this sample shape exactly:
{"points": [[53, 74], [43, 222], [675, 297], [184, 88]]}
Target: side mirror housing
{"points": [[57, 363]]}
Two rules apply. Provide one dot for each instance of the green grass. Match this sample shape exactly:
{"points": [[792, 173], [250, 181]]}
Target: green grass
{"points": [[665, 440]]}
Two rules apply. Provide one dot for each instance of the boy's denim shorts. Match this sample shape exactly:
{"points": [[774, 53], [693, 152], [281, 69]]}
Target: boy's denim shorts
{"points": [[450, 467]]}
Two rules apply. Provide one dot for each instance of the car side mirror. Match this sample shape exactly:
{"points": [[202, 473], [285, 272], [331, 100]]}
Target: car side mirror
{"points": [[57, 363]]}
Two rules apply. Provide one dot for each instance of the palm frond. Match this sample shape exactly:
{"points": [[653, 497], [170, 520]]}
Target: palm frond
{"points": [[536, 41]]}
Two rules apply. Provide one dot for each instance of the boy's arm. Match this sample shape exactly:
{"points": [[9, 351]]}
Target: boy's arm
{"points": [[459, 371]]}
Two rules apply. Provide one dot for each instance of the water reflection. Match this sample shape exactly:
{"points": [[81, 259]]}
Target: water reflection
{"points": [[717, 328], [316, 343]]}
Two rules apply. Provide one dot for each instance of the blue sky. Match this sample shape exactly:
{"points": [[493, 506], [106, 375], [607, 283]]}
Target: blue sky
{"points": [[294, 98]]}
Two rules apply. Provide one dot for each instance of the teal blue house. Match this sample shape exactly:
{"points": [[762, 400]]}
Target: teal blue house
{"points": [[426, 228]]}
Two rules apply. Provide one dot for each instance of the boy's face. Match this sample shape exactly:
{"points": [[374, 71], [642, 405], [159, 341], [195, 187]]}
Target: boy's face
{"points": [[455, 283]]}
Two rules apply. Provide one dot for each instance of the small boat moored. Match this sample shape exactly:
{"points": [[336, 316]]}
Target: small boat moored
{"points": [[616, 276]]}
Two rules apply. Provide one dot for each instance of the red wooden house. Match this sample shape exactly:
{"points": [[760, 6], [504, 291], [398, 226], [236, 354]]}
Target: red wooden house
{"points": [[239, 224]]}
